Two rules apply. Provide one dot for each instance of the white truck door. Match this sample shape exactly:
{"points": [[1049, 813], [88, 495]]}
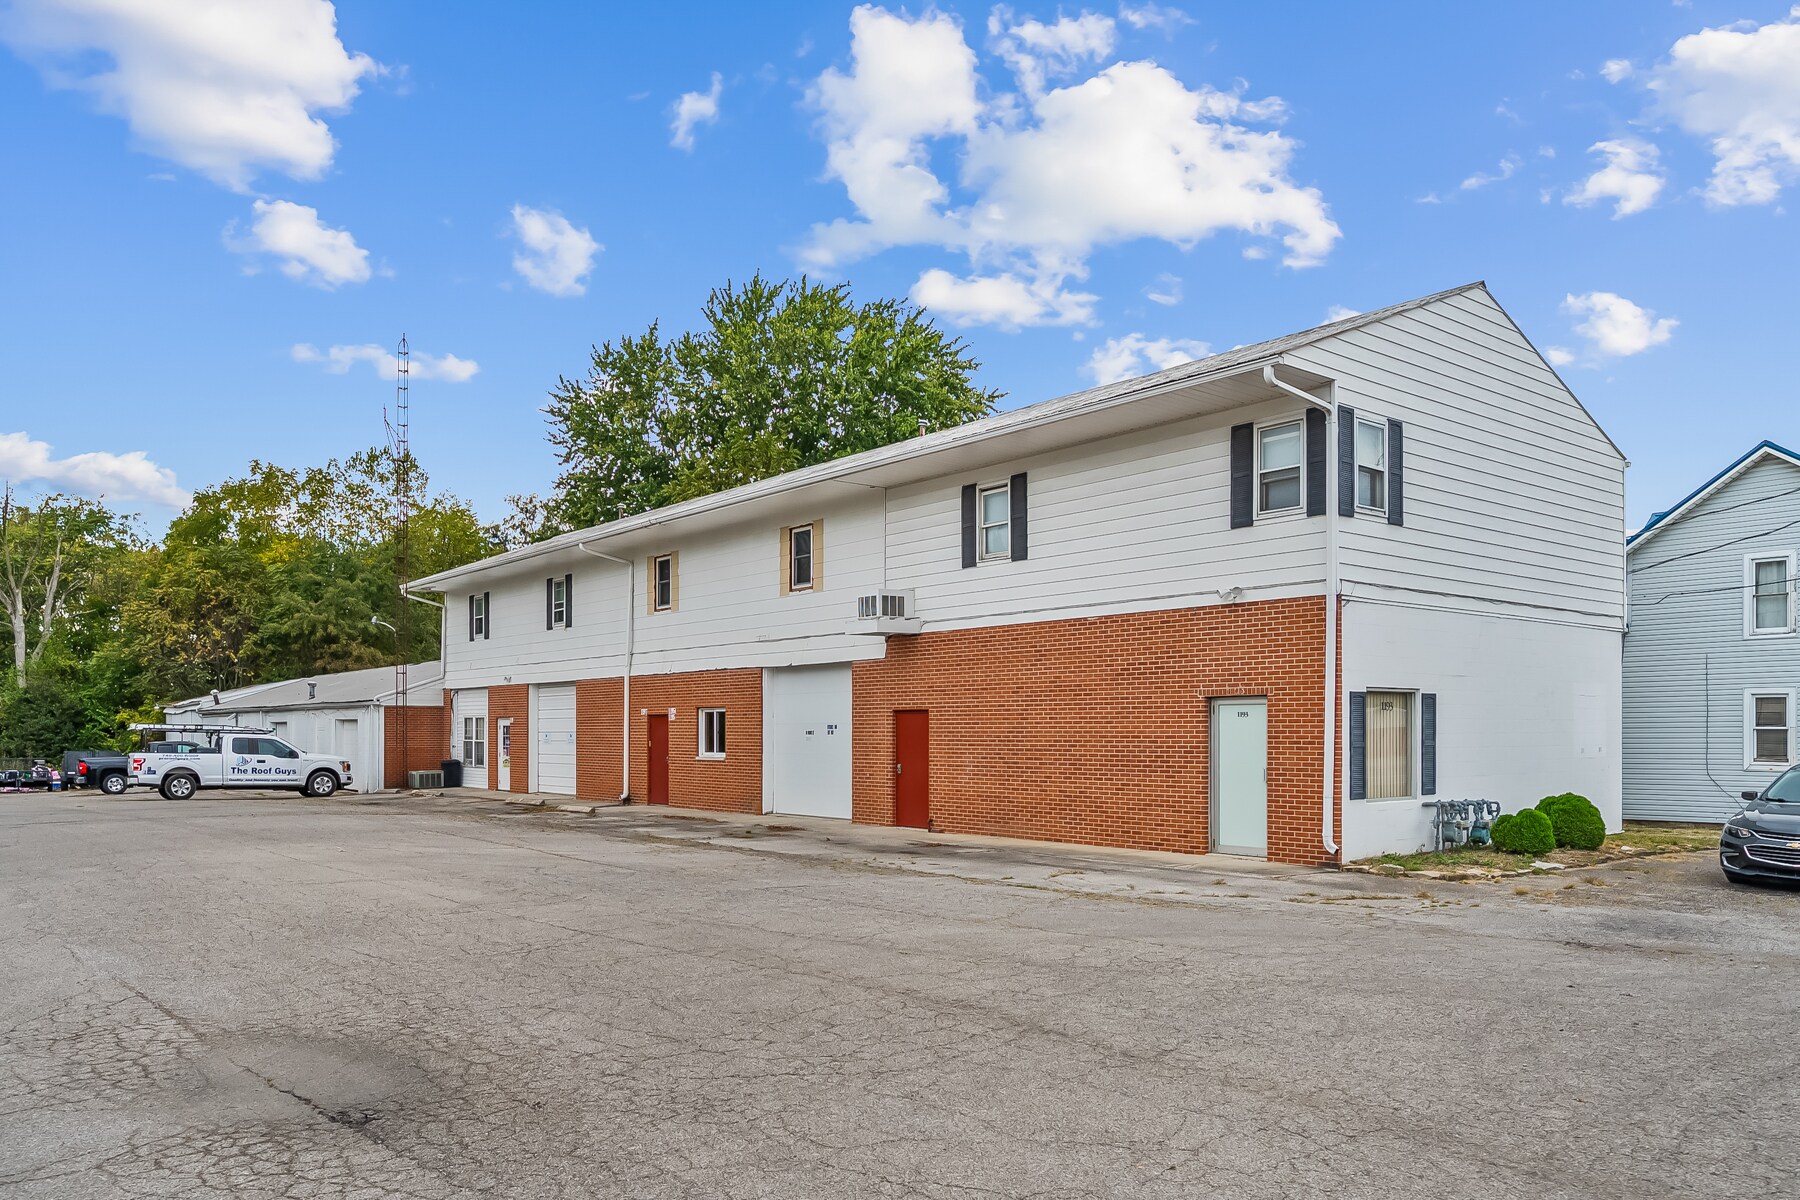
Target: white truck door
{"points": [[243, 761]]}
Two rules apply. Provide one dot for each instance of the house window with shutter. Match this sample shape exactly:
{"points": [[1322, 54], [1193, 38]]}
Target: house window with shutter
{"points": [[478, 616], [1279, 487], [556, 602], [1769, 594], [1769, 738], [1371, 465], [995, 532], [1390, 746]]}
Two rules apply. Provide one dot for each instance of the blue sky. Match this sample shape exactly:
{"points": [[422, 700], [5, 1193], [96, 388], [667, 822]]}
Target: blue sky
{"points": [[213, 210]]}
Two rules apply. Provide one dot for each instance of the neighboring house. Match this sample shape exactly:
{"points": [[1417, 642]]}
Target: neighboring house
{"points": [[1712, 662], [353, 714], [1104, 618]]}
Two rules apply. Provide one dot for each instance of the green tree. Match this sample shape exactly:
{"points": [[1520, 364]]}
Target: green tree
{"points": [[50, 555], [781, 375]]}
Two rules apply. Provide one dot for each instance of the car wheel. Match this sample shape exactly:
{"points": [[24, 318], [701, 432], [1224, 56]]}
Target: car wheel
{"points": [[321, 783], [177, 787], [113, 784]]}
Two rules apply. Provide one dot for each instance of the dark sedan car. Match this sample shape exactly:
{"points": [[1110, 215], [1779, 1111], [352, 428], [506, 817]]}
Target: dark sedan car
{"points": [[1763, 840]]}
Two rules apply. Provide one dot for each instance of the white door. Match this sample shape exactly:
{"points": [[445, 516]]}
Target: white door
{"points": [[555, 739], [1240, 746], [468, 735], [503, 735], [806, 741]]}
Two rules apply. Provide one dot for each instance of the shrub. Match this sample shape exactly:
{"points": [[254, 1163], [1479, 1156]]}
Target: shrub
{"points": [[1575, 821], [1527, 831]]}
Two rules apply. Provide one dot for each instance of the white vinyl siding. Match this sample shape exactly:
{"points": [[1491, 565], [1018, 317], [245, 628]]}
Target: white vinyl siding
{"points": [[1768, 594], [1390, 745]]}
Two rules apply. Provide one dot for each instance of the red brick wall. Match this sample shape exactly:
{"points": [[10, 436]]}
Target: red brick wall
{"points": [[1096, 730], [509, 700], [426, 741], [597, 738], [731, 784]]}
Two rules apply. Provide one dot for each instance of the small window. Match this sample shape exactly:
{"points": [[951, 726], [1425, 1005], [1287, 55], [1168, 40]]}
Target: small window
{"points": [[1771, 588], [478, 616], [243, 745], [1371, 465], [1771, 734], [800, 558], [559, 603], [1278, 482], [662, 577], [712, 733], [474, 741], [1390, 745], [994, 518]]}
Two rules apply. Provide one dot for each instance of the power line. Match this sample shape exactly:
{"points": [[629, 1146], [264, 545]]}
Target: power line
{"points": [[1722, 545]]}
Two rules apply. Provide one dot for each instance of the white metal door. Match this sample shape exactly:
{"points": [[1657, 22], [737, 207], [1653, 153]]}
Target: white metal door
{"points": [[503, 772], [1240, 745], [468, 735], [806, 741], [556, 739]]}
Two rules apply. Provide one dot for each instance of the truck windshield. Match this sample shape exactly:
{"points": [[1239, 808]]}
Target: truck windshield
{"points": [[1785, 790]]}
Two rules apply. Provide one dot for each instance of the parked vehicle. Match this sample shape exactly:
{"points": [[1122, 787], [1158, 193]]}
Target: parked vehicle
{"points": [[1762, 841], [179, 760], [39, 775], [108, 770]]}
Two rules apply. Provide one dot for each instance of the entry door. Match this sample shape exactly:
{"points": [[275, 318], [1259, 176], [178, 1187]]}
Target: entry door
{"points": [[1240, 772], [659, 758], [912, 769], [504, 731]]}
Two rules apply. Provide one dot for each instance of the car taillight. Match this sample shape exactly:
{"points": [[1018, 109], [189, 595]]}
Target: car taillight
{"points": [[81, 769]]}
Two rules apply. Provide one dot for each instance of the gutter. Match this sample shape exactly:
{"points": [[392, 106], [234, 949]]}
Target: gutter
{"points": [[1332, 589], [630, 645]]}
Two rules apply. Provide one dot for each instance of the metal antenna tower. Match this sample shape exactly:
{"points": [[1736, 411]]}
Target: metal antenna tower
{"points": [[399, 430]]}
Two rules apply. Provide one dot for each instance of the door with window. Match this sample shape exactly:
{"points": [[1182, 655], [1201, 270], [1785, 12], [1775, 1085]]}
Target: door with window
{"points": [[657, 761], [1240, 776], [503, 772], [912, 769]]}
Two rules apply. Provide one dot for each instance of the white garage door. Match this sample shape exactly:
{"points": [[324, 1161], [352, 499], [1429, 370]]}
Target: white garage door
{"points": [[806, 741], [556, 739]]}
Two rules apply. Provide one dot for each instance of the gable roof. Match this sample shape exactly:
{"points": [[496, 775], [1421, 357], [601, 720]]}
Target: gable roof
{"points": [[1018, 421], [1658, 521]]}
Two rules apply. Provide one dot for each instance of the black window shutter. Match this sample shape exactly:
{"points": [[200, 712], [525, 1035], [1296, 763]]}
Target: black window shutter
{"points": [[1396, 480], [1428, 743], [1243, 476], [1346, 461], [568, 600], [1315, 463], [487, 615], [471, 616], [1015, 488], [968, 522], [549, 604], [1359, 746]]}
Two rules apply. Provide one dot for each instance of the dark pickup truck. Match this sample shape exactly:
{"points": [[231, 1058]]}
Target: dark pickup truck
{"points": [[108, 770]]}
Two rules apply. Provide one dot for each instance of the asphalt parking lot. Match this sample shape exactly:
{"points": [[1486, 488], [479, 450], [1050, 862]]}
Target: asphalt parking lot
{"points": [[418, 997]]}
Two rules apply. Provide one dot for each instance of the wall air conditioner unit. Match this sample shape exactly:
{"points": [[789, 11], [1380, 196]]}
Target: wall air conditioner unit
{"points": [[424, 779], [885, 612]]}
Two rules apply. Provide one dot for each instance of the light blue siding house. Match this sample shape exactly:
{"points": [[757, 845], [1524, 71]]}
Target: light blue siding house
{"points": [[1712, 659]]}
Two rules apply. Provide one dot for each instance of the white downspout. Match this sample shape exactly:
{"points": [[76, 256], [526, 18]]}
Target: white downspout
{"points": [[1331, 604], [630, 634]]}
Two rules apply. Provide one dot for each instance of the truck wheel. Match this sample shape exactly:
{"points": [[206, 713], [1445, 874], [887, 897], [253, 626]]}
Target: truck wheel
{"points": [[177, 787], [321, 783], [113, 784]]}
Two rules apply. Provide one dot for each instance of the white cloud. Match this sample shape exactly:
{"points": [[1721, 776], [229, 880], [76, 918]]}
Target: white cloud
{"points": [[1339, 312], [1135, 354], [1504, 171], [1035, 51], [223, 87], [97, 473], [1559, 356], [557, 256], [1166, 290], [1614, 326], [1632, 177], [339, 359], [309, 251], [1614, 70], [695, 108], [1154, 16], [1044, 179], [1739, 87], [1004, 300]]}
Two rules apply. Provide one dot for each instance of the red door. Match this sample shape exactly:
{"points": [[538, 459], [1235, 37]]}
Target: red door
{"points": [[659, 758], [912, 769]]}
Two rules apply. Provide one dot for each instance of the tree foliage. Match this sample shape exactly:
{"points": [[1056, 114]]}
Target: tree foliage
{"points": [[780, 375]]}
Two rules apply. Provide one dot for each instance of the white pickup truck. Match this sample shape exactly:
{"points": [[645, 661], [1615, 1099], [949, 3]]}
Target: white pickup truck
{"points": [[179, 760]]}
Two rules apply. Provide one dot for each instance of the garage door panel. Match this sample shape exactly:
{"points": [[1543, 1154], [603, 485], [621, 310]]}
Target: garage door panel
{"points": [[806, 740], [555, 740]]}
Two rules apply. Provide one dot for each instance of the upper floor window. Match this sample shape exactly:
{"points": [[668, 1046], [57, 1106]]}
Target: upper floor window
{"points": [[662, 583], [1371, 465], [994, 535], [479, 624], [1769, 584], [558, 603], [800, 558], [1279, 486]]}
